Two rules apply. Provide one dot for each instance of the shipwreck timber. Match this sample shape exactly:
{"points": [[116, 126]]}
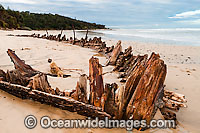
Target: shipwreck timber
{"points": [[139, 98]]}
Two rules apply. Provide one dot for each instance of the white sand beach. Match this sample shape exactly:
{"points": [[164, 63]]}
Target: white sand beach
{"points": [[183, 76]]}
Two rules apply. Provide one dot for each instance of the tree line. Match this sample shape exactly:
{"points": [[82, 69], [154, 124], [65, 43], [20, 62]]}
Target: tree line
{"points": [[38, 21]]}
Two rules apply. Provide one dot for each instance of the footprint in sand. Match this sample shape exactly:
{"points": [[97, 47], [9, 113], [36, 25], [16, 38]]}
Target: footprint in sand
{"points": [[193, 69]]}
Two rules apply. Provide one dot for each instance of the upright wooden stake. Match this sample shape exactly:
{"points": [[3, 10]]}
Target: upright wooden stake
{"points": [[86, 35], [96, 82], [61, 32], [74, 33], [47, 33]]}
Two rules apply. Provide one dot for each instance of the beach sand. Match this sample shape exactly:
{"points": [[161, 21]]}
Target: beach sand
{"points": [[183, 76]]}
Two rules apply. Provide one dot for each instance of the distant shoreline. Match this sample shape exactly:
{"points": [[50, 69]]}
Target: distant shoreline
{"points": [[26, 20], [24, 29]]}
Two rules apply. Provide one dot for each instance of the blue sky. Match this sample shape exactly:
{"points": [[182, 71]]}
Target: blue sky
{"points": [[119, 13]]}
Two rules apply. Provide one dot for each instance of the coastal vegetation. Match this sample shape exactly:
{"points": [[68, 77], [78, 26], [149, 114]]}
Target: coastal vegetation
{"points": [[38, 21]]}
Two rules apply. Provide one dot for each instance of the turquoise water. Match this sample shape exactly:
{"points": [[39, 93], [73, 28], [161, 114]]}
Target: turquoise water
{"points": [[158, 36]]}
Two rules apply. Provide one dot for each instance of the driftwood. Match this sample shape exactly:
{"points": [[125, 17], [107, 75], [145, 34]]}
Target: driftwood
{"points": [[61, 32], [124, 60], [109, 104], [93, 43], [171, 105], [133, 69], [17, 77], [47, 32], [20, 65], [168, 114], [39, 82], [174, 101], [141, 96], [96, 82], [24, 69], [122, 64], [175, 96], [38, 89], [81, 89], [65, 103], [115, 53], [63, 38], [25, 75], [142, 103], [74, 34], [129, 89], [86, 35], [2, 75]]}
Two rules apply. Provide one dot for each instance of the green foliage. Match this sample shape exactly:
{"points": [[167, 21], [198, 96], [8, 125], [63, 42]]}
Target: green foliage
{"points": [[1, 7], [35, 21]]}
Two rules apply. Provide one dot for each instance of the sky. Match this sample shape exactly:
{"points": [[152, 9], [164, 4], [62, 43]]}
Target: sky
{"points": [[119, 13]]}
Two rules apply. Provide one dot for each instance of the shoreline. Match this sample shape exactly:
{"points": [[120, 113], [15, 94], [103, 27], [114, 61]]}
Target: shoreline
{"points": [[81, 33], [156, 36], [58, 50]]}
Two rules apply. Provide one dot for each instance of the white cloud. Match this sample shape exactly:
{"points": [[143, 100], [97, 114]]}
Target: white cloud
{"points": [[187, 14], [19, 1], [158, 1], [193, 22], [55, 2], [84, 1], [90, 1]]}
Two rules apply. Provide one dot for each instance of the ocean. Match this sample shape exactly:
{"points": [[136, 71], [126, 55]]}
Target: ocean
{"points": [[156, 36]]}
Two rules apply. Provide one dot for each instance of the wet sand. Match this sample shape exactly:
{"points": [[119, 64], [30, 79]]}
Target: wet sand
{"points": [[183, 77]]}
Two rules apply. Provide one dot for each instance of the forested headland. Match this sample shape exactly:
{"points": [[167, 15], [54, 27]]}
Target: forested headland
{"points": [[10, 19]]}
